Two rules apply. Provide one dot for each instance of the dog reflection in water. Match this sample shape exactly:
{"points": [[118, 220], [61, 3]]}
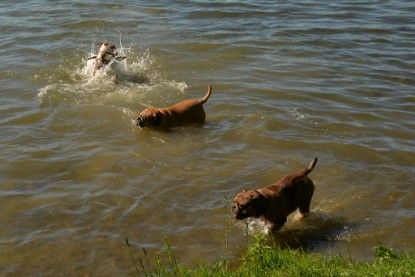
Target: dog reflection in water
{"points": [[107, 53]]}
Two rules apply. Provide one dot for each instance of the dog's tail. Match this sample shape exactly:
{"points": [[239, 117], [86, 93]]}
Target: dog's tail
{"points": [[206, 97], [310, 167]]}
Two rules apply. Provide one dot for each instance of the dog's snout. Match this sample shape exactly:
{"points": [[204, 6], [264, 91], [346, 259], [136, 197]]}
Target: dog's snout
{"points": [[140, 122]]}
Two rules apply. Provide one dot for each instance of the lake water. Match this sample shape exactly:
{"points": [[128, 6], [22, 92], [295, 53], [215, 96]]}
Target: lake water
{"points": [[292, 80]]}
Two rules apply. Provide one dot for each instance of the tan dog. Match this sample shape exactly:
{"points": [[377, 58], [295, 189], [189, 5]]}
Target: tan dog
{"points": [[105, 55], [275, 202], [185, 112]]}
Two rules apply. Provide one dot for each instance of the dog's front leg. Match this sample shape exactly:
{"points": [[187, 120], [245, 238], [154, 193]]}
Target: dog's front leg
{"points": [[276, 225], [97, 66]]}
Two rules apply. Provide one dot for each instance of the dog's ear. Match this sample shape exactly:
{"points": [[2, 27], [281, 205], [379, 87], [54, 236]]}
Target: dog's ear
{"points": [[99, 44]]}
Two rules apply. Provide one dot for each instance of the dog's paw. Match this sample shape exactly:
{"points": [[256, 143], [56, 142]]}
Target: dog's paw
{"points": [[298, 216]]}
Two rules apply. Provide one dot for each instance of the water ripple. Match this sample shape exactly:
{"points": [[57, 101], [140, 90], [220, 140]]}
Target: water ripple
{"points": [[291, 81]]}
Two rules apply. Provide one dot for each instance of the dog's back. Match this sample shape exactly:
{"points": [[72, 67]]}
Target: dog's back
{"points": [[189, 111], [290, 179], [182, 113]]}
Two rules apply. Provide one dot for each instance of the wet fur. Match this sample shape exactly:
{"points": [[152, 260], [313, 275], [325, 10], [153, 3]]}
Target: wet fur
{"points": [[275, 202], [107, 52], [182, 113]]}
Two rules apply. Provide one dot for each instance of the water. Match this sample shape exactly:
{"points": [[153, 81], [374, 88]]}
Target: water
{"points": [[291, 81]]}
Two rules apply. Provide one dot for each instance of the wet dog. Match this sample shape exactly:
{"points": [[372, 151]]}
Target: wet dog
{"points": [[182, 113], [107, 53], [275, 202]]}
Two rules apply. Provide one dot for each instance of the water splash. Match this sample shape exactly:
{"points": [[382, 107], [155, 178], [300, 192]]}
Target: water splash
{"points": [[132, 79], [303, 232]]}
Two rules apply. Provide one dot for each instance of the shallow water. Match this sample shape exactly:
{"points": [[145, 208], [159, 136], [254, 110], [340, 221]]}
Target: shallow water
{"points": [[291, 81]]}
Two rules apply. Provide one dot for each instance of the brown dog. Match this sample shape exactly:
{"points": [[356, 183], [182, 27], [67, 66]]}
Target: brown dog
{"points": [[185, 112], [278, 200]]}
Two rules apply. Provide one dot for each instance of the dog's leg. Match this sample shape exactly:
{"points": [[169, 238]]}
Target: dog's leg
{"points": [[305, 210], [304, 206], [277, 225], [97, 66]]}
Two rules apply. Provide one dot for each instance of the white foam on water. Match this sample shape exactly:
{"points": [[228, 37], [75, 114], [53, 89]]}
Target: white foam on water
{"points": [[296, 114], [318, 225], [133, 79]]}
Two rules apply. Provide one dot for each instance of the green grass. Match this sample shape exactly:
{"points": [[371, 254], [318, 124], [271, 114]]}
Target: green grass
{"points": [[261, 259]]}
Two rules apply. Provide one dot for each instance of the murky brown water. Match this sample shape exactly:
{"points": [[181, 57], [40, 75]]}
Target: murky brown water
{"points": [[291, 81]]}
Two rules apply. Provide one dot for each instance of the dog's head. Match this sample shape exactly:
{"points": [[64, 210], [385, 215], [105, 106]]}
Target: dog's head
{"points": [[106, 52], [248, 203], [150, 117]]}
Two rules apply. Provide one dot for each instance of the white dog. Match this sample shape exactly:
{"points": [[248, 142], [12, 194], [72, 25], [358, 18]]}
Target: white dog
{"points": [[106, 54]]}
